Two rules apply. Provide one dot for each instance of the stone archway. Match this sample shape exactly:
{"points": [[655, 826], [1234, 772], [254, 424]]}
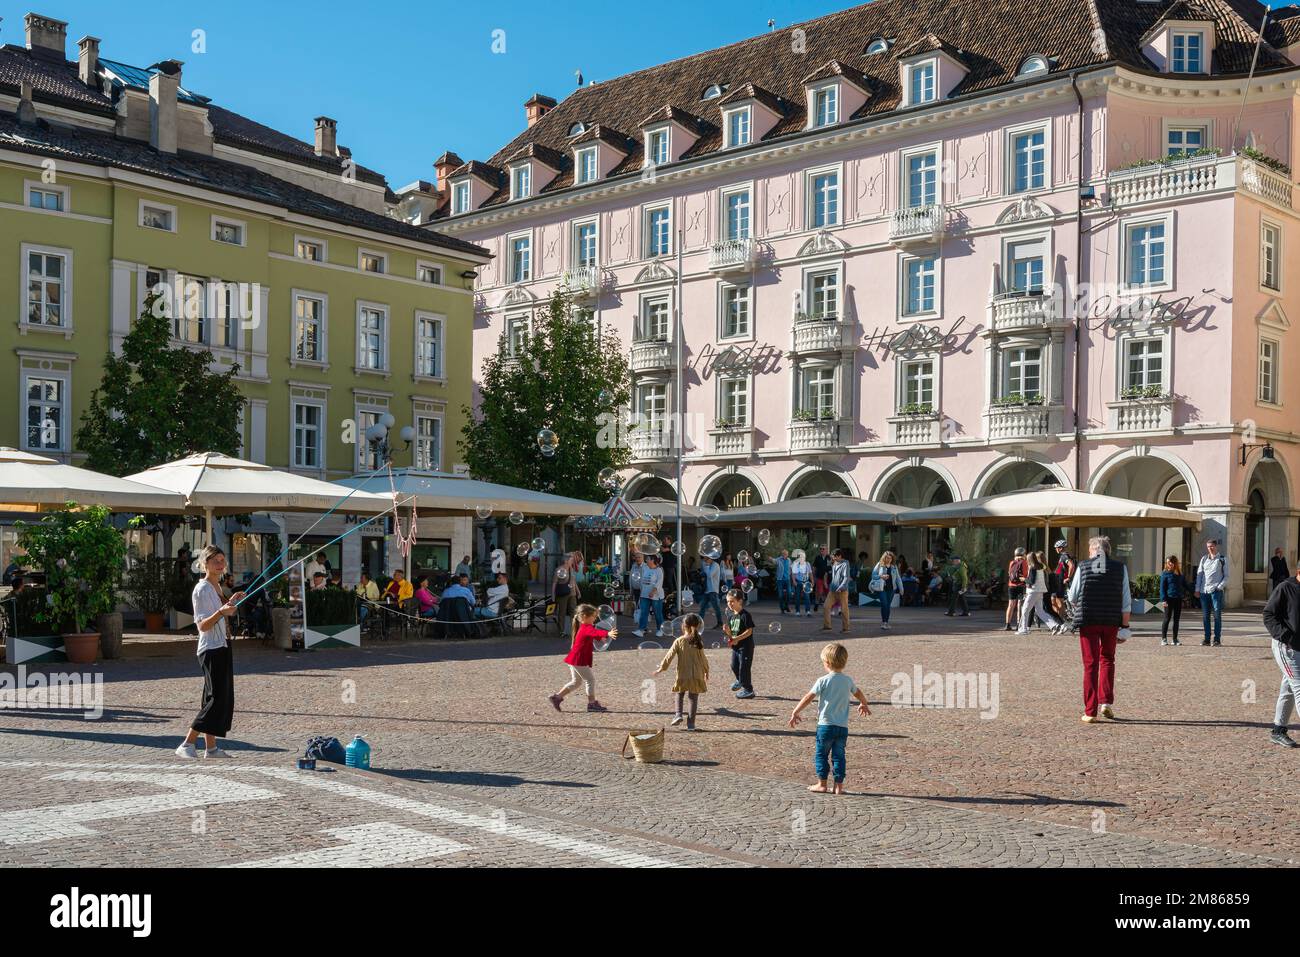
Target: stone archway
{"points": [[1161, 480], [1269, 525], [814, 482], [646, 485], [915, 486]]}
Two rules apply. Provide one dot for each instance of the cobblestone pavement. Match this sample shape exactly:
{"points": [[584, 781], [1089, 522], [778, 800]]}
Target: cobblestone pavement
{"points": [[476, 768]]}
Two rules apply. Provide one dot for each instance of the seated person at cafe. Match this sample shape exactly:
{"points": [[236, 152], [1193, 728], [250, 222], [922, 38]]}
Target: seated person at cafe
{"points": [[318, 581], [399, 590], [335, 579], [497, 597], [426, 600], [368, 592], [460, 589]]}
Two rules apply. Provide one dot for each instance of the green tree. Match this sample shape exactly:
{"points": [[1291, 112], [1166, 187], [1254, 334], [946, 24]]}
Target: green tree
{"points": [[156, 403], [567, 377]]}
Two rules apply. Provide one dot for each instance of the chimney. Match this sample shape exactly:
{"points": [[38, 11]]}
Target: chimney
{"points": [[88, 61], [26, 109], [46, 36], [164, 81], [445, 165], [327, 133], [538, 107]]}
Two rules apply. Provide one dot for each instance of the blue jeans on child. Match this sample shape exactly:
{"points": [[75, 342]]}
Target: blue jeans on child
{"points": [[646, 604], [1212, 601], [831, 739]]}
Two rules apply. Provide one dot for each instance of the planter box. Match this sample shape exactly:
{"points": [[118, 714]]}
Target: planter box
{"points": [[281, 629]]}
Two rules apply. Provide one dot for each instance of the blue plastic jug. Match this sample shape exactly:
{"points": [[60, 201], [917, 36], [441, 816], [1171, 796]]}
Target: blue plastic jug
{"points": [[358, 754]]}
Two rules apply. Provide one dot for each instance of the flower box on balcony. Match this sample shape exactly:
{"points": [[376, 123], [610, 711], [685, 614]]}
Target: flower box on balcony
{"points": [[1016, 399], [917, 408]]}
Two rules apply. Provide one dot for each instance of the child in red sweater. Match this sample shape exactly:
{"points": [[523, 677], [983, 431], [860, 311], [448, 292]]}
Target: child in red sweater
{"points": [[579, 658]]}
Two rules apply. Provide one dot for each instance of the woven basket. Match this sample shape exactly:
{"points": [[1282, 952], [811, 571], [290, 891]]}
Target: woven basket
{"points": [[647, 745]]}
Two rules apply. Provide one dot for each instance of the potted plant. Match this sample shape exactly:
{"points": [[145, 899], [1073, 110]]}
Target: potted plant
{"points": [[147, 588], [1145, 591], [917, 408], [82, 556], [804, 415]]}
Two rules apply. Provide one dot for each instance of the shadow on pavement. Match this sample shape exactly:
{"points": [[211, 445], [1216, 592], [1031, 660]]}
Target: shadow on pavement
{"points": [[1036, 800], [477, 779], [161, 742]]}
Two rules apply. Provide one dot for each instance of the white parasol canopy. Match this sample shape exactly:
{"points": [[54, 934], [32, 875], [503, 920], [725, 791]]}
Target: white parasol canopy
{"points": [[437, 493], [32, 483], [1051, 505]]}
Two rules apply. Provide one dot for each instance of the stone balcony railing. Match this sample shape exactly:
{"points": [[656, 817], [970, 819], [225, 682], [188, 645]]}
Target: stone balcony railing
{"points": [[651, 445], [652, 356], [1021, 311], [1163, 182], [823, 435], [918, 224], [915, 429], [732, 255], [820, 335], [581, 282], [736, 440], [1019, 422], [1142, 415]]}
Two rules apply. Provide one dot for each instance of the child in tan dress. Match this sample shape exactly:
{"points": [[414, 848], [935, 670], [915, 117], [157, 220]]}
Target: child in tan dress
{"points": [[692, 668]]}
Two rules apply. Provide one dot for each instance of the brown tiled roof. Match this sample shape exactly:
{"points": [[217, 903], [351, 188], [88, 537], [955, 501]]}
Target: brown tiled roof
{"points": [[222, 176], [449, 158], [1186, 10], [54, 80], [620, 141], [543, 154], [752, 91], [929, 43], [994, 36], [836, 68], [674, 114], [489, 174], [241, 132]]}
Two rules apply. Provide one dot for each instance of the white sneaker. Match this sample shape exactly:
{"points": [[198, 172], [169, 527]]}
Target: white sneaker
{"points": [[677, 720], [659, 633], [639, 633], [216, 753], [187, 751], [1022, 632]]}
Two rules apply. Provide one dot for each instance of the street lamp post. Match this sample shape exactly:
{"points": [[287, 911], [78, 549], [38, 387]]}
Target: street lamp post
{"points": [[381, 450]]}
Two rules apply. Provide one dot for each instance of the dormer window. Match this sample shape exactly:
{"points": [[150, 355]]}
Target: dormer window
{"points": [[878, 45], [921, 83], [713, 92], [585, 165], [1186, 52], [1032, 66], [521, 182], [460, 198], [659, 148], [826, 106], [738, 128]]}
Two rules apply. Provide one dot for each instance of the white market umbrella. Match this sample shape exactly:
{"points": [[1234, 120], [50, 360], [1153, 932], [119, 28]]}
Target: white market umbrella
{"points": [[830, 508], [217, 484], [32, 483], [437, 493]]}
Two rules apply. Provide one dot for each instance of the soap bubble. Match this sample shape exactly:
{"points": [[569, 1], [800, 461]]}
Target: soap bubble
{"points": [[548, 451], [751, 570], [608, 479], [609, 591], [522, 550], [483, 511], [679, 549], [650, 646], [538, 544], [686, 599], [602, 645], [605, 611], [516, 518], [764, 537], [710, 546], [547, 439], [774, 628], [717, 644], [710, 513], [648, 542], [747, 585], [605, 397], [807, 588], [742, 557]]}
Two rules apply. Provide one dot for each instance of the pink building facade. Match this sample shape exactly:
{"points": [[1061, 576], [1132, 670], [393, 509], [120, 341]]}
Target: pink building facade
{"points": [[914, 277]]}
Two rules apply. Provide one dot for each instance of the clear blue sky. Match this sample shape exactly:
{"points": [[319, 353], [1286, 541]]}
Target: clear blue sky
{"points": [[406, 80]]}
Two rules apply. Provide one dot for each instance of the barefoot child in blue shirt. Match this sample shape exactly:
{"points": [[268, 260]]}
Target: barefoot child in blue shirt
{"points": [[835, 691]]}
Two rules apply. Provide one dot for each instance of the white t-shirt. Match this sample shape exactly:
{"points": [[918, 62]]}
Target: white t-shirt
{"points": [[207, 602], [310, 570]]}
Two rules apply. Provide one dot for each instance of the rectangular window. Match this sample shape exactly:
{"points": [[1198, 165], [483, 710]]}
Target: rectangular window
{"points": [[521, 259], [735, 401], [157, 217], [428, 356], [825, 205], [516, 336], [430, 274], [372, 331], [1186, 56], [46, 274], [1182, 140], [1023, 373], [826, 106], [190, 311], [1025, 265], [228, 232], [45, 404], [308, 330], [225, 310], [587, 165], [659, 147], [1145, 364], [921, 83], [735, 311], [460, 198], [1029, 161], [737, 209], [309, 250], [824, 295], [367, 455], [658, 232], [584, 244], [306, 436], [45, 199], [1268, 391], [1270, 257], [922, 179], [818, 393], [652, 404], [428, 443], [1146, 254], [918, 384], [520, 182], [655, 319], [373, 262], [919, 294], [738, 128]]}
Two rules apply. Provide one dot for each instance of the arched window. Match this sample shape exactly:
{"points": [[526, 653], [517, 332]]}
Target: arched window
{"points": [[1256, 534], [577, 128], [1033, 65], [878, 45], [714, 91]]}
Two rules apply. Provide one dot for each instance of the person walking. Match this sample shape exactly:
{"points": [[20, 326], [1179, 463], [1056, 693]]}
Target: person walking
{"points": [[652, 597], [782, 578], [740, 636], [1017, 571], [562, 594], [1211, 580], [1172, 590], [1279, 570], [1282, 618], [958, 582], [1035, 592], [1102, 601], [692, 669], [1064, 574], [837, 593], [464, 567], [728, 572], [821, 565], [712, 590], [634, 579], [580, 658], [886, 582], [833, 692], [801, 583], [217, 710]]}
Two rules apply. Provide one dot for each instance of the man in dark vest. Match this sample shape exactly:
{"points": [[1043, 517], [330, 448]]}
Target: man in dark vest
{"points": [[1102, 602]]}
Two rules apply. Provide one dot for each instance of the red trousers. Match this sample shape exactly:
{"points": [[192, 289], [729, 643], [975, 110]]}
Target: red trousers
{"points": [[1097, 642]]}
